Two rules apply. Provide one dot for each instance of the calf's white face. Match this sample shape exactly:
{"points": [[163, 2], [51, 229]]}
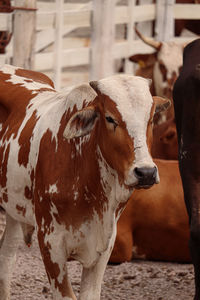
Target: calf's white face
{"points": [[125, 109], [167, 67]]}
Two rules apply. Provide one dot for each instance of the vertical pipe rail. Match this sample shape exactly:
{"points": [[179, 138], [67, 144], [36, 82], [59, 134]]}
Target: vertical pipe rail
{"points": [[146, 27], [164, 27], [129, 67], [103, 37], [24, 34], [58, 53]]}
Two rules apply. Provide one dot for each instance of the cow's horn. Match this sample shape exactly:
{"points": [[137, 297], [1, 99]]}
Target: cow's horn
{"points": [[156, 45]]}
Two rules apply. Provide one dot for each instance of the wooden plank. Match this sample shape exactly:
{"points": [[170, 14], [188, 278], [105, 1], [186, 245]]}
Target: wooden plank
{"points": [[2, 59], [82, 18], [141, 13], [46, 37], [51, 6], [144, 12], [24, 34], [3, 23], [70, 58], [80, 56], [187, 11], [71, 43], [78, 18], [102, 39], [124, 49], [145, 27]]}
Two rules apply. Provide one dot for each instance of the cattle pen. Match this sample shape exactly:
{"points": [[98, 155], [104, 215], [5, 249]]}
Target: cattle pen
{"points": [[74, 41]]}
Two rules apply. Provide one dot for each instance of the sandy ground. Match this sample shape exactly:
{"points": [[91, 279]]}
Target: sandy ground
{"points": [[135, 280]]}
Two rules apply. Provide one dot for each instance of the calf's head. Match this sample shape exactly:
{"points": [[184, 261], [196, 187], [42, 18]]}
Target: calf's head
{"points": [[165, 62], [121, 118]]}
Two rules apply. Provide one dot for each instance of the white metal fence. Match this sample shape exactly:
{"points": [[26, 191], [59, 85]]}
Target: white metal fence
{"points": [[57, 49]]}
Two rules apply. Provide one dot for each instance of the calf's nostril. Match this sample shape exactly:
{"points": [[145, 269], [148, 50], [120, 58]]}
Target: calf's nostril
{"points": [[139, 172], [145, 172]]}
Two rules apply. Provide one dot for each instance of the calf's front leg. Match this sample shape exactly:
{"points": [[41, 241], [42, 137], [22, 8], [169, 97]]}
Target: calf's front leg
{"points": [[92, 277], [53, 251], [12, 237]]}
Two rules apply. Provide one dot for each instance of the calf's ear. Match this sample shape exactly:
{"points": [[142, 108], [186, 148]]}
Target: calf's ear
{"points": [[161, 104], [81, 123], [144, 60]]}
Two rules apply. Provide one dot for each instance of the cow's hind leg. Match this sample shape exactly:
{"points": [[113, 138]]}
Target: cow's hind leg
{"points": [[11, 240]]}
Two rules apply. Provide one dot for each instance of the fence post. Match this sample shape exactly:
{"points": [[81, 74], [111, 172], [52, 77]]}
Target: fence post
{"points": [[146, 28], [5, 30], [24, 31], [164, 28], [103, 36], [58, 44], [129, 67]]}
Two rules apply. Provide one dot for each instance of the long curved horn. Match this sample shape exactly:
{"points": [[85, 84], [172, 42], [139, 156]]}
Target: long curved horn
{"points": [[156, 45]]}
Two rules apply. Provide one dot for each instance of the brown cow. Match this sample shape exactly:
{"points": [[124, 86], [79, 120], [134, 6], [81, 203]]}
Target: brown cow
{"points": [[165, 143], [68, 163], [154, 224]]}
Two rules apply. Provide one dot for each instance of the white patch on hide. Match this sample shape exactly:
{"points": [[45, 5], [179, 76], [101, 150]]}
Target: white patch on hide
{"points": [[53, 189], [31, 85]]}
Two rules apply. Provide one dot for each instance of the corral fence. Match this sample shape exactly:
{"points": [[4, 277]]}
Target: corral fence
{"points": [[73, 41]]}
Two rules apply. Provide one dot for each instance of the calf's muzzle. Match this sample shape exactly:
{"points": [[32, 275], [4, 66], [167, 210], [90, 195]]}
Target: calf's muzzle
{"points": [[146, 176]]}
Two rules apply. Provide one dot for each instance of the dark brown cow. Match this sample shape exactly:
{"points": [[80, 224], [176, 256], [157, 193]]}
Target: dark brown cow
{"points": [[186, 96], [154, 224], [68, 163]]}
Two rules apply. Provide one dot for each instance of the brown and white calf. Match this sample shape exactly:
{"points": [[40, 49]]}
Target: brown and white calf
{"points": [[68, 163], [162, 66]]}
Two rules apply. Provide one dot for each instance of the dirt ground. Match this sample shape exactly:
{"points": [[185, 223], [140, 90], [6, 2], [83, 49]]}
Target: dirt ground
{"points": [[135, 280]]}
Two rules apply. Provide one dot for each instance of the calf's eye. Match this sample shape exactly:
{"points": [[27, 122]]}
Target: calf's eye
{"points": [[110, 120]]}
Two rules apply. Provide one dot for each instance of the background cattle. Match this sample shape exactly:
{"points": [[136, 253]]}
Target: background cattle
{"points": [[154, 224], [165, 145], [186, 97], [162, 66], [68, 163]]}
